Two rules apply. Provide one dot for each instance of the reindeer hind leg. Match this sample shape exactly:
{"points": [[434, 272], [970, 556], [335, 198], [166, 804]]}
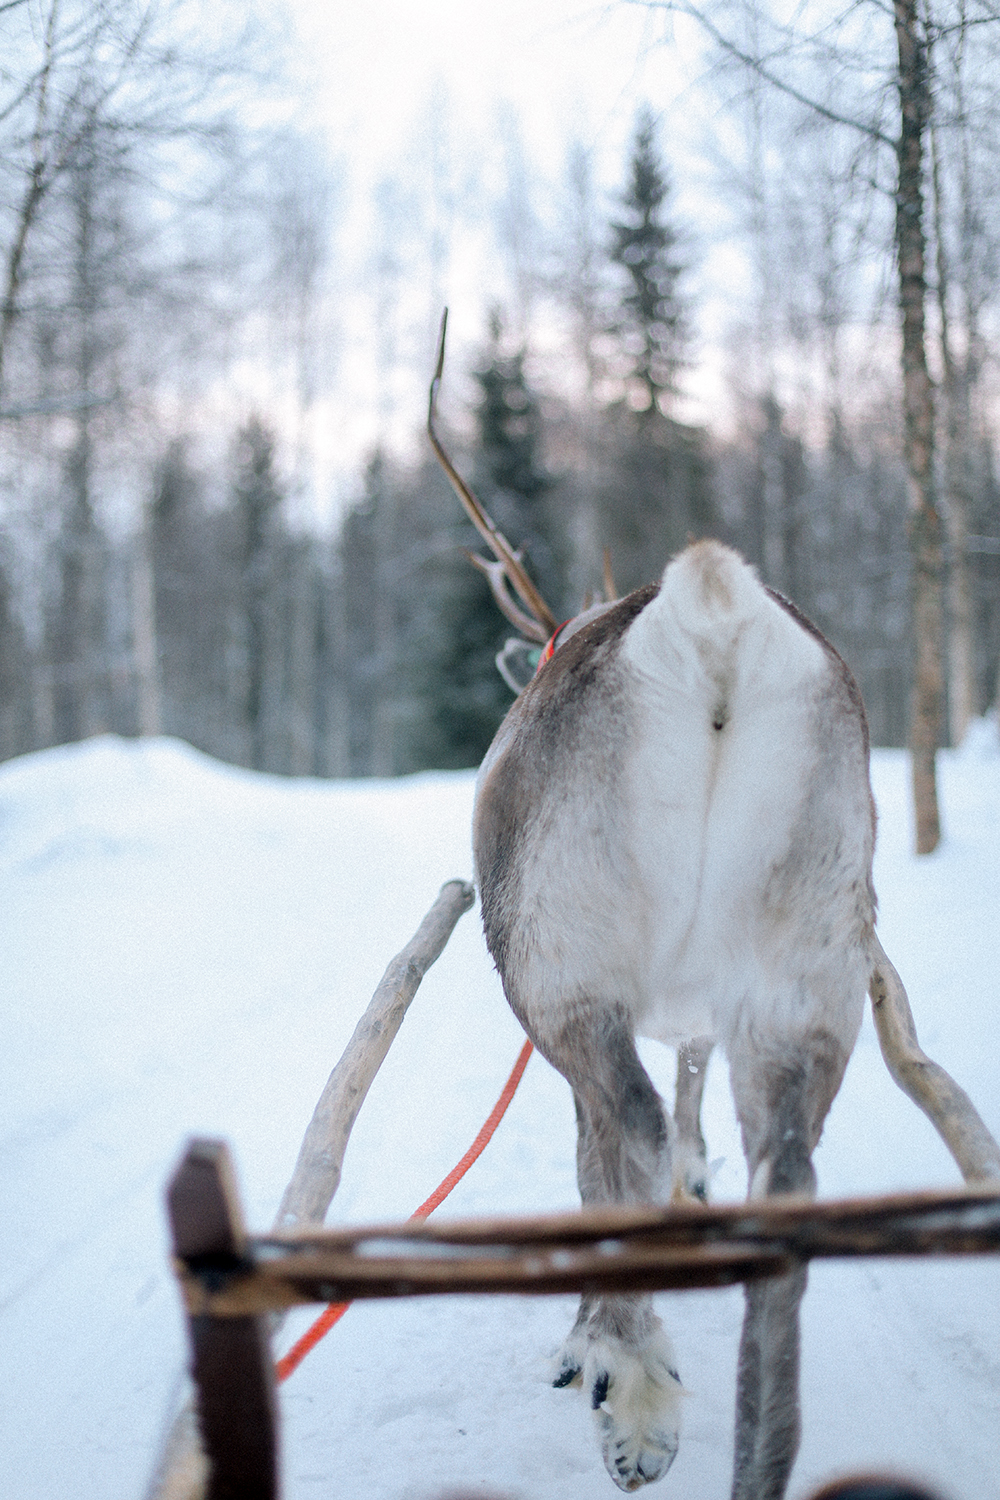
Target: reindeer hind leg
{"points": [[617, 1350]]}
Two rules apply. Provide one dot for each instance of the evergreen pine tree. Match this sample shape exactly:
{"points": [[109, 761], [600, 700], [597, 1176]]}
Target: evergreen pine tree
{"points": [[650, 327], [468, 697], [509, 423], [654, 488], [511, 475]]}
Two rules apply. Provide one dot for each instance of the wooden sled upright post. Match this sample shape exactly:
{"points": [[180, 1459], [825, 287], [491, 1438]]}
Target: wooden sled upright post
{"points": [[231, 1357]]}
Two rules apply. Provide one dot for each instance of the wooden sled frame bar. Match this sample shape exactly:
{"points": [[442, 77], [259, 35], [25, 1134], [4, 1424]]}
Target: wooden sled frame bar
{"points": [[604, 1250]]}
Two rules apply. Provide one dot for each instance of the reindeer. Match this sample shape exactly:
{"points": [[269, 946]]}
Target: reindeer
{"points": [[673, 837]]}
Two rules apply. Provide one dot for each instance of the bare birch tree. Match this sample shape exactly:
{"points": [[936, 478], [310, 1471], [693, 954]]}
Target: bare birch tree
{"points": [[89, 74], [927, 713], [125, 263], [963, 151]]}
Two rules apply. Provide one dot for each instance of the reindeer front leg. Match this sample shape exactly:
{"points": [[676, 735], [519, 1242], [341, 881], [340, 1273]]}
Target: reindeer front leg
{"points": [[617, 1350], [690, 1159], [782, 1101], [768, 1420]]}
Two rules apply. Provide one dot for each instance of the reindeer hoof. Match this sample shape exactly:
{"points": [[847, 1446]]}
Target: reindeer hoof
{"points": [[691, 1177], [636, 1397], [634, 1459], [568, 1366], [568, 1373], [692, 1188]]}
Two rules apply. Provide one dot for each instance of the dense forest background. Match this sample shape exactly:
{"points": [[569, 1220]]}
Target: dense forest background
{"points": [[162, 569]]}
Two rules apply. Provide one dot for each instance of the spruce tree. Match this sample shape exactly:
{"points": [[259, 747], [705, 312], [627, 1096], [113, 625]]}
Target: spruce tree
{"points": [[508, 419], [655, 484], [510, 471], [467, 696], [650, 326]]}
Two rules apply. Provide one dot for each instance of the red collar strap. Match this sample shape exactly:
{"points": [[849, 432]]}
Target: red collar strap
{"points": [[550, 647]]}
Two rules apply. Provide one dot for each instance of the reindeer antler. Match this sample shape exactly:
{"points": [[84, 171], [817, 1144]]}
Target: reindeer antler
{"points": [[539, 623]]}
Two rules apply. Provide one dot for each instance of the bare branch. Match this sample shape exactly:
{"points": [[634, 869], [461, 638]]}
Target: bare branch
{"points": [[317, 1171], [50, 405], [39, 182], [756, 64]]}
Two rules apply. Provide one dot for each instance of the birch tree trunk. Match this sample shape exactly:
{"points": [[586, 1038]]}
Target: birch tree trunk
{"points": [[957, 476], [144, 646], [962, 695], [926, 712]]}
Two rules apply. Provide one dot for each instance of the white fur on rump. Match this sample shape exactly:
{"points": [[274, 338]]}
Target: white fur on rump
{"points": [[678, 871], [717, 810]]}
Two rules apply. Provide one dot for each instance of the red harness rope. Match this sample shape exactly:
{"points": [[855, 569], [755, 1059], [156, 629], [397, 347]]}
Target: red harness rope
{"points": [[549, 650], [336, 1310]]}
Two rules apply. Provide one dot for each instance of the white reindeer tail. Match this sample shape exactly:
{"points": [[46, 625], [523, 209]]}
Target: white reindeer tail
{"points": [[708, 599], [715, 639], [710, 586]]}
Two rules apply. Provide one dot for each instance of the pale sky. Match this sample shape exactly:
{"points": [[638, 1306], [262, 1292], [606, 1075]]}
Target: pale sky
{"points": [[382, 80], [556, 61]]}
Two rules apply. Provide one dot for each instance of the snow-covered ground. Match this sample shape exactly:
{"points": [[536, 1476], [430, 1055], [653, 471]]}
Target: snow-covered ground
{"points": [[186, 948]]}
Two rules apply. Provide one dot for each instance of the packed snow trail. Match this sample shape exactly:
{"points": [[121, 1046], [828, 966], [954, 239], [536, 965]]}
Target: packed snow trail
{"points": [[185, 948]]}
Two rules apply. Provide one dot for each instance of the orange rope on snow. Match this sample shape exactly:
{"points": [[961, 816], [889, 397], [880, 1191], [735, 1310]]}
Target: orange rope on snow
{"points": [[482, 1140], [297, 1353], [336, 1310]]}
